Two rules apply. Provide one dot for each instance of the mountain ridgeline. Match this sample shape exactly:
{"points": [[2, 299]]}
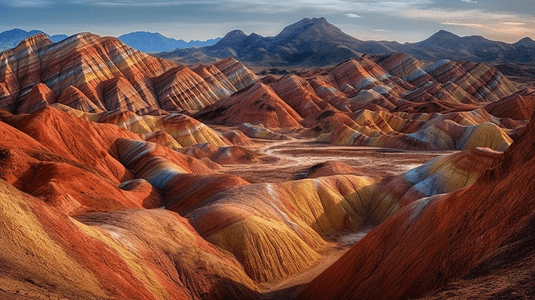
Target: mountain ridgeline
{"points": [[140, 40], [11, 38], [316, 42], [156, 42]]}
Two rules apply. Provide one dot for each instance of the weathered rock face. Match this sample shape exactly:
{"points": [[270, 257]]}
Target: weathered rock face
{"points": [[39, 97], [298, 93], [472, 233], [94, 74], [441, 175]]}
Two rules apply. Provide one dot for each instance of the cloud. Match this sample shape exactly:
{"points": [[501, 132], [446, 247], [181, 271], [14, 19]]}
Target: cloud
{"points": [[352, 15], [514, 23], [469, 1], [28, 3], [462, 24], [382, 30], [330, 6], [457, 15], [513, 29]]}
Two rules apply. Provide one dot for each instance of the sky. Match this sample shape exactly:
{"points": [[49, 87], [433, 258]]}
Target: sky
{"points": [[392, 20]]}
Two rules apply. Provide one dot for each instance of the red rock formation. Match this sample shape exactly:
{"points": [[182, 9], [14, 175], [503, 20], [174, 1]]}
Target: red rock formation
{"points": [[237, 138], [221, 155], [74, 98], [119, 93], [519, 106], [455, 130], [123, 252], [471, 232], [61, 132], [39, 97], [73, 163], [259, 104], [432, 106], [298, 93]]}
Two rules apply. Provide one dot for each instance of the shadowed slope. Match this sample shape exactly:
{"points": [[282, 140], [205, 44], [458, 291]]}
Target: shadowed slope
{"points": [[436, 240], [170, 174]]}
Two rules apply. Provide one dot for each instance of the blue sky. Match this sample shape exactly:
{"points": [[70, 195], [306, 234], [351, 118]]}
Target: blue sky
{"points": [[400, 20]]}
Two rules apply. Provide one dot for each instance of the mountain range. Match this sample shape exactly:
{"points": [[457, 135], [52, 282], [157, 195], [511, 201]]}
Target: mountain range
{"points": [[11, 38], [139, 40], [316, 42], [156, 42]]}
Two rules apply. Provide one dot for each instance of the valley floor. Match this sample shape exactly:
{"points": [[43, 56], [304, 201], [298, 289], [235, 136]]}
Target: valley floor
{"points": [[285, 160]]}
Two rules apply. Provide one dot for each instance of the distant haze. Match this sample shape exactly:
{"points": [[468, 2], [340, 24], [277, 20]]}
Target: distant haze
{"points": [[400, 20]]}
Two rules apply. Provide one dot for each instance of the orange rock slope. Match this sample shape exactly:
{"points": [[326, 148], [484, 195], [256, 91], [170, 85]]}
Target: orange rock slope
{"points": [[477, 234]]}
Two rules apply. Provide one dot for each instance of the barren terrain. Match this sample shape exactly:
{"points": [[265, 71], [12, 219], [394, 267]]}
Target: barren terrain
{"points": [[282, 160]]}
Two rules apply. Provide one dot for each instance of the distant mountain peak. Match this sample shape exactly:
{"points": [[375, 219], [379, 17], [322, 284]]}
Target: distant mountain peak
{"points": [[440, 38], [147, 41], [235, 33], [527, 39], [444, 33], [305, 24], [231, 38], [527, 42]]}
